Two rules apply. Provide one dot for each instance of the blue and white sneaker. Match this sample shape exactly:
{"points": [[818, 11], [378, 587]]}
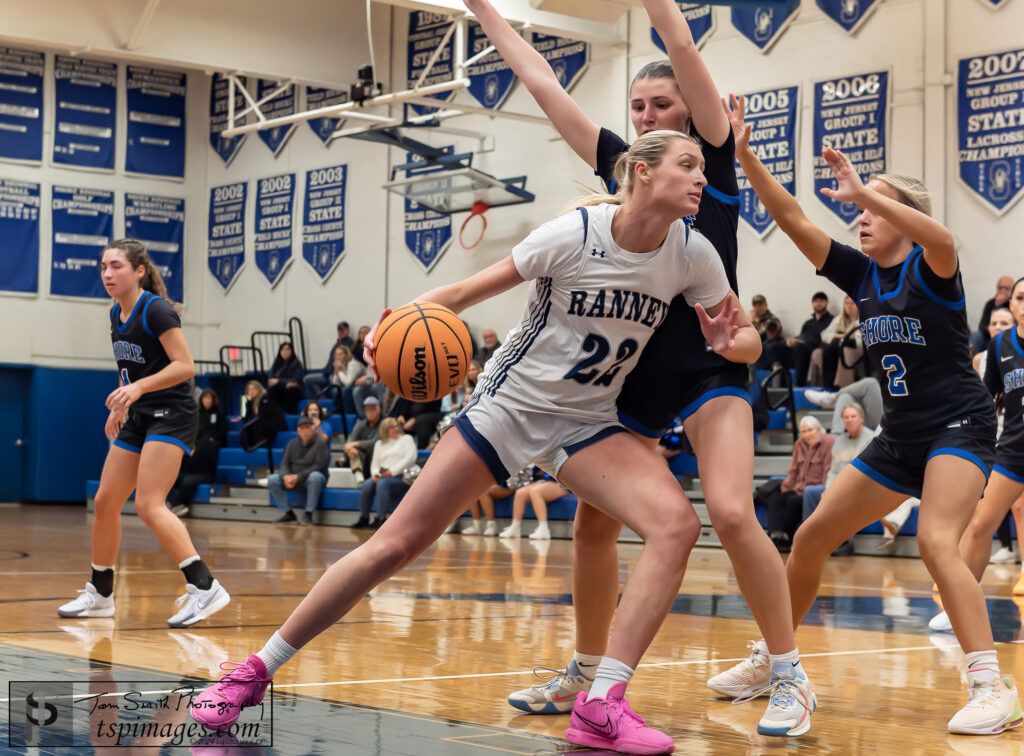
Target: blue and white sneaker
{"points": [[556, 694], [790, 706], [196, 604]]}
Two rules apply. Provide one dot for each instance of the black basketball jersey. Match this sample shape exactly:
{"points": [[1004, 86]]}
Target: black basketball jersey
{"points": [[915, 332], [139, 353], [678, 344], [1004, 374]]}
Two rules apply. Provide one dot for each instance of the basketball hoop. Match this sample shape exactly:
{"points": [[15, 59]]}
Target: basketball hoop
{"points": [[479, 208]]}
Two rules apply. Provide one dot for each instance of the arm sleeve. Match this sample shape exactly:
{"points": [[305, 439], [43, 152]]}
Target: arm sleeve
{"points": [[609, 146], [160, 316], [950, 289], [993, 379], [553, 250], [845, 267], [705, 280]]}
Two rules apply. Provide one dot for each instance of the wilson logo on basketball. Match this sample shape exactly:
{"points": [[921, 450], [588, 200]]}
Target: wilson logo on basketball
{"points": [[418, 381]]}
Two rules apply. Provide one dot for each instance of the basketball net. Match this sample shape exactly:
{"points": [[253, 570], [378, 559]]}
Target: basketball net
{"points": [[479, 208]]}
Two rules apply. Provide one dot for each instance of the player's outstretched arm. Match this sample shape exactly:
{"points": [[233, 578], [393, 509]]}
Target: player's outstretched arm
{"points": [[936, 239], [729, 332], [692, 75], [809, 239], [566, 116]]}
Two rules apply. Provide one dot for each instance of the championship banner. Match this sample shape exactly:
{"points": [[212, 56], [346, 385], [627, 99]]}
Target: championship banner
{"points": [[156, 123], [426, 30], [428, 234], [490, 78], [282, 105], [318, 97], [990, 127], [763, 25], [849, 14], [226, 239], [772, 114], [274, 197], [699, 17], [159, 223], [86, 114], [21, 104], [83, 224], [19, 236], [226, 147], [567, 58], [323, 219], [850, 114]]}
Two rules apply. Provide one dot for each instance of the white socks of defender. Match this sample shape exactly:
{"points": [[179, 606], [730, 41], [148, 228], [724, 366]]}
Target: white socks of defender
{"points": [[789, 665], [587, 663], [610, 672], [276, 653], [981, 666]]}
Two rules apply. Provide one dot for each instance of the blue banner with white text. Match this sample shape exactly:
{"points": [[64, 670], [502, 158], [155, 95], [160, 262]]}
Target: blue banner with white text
{"points": [[701, 20], [849, 14], [323, 219], [21, 104], [764, 24], [159, 223], [772, 114], [850, 114], [490, 78], [567, 58], [428, 233], [990, 127], [226, 238], [426, 30], [19, 236], [282, 104], [83, 224], [274, 199], [156, 122], [226, 147], [319, 97], [85, 125]]}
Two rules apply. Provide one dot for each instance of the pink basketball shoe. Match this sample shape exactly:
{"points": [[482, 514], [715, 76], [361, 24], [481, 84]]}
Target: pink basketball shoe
{"points": [[243, 685], [609, 723]]}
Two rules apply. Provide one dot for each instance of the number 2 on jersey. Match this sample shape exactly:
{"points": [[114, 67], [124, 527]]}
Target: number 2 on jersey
{"points": [[597, 349], [894, 371]]}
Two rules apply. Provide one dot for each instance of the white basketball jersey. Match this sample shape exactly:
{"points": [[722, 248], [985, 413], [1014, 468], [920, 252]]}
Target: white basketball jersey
{"points": [[591, 309]]}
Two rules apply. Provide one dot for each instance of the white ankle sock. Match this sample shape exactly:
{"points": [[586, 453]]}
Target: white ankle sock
{"points": [[275, 653], [981, 665], [587, 663], [610, 672], [790, 660]]}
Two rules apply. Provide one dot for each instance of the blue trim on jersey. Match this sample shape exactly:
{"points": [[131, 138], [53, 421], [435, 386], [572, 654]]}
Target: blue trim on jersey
{"points": [[727, 199], [122, 326], [952, 451], [1016, 341], [947, 303], [637, 427], [903, 273], [482, 447], [586, 223], [127, 447], [707, 396], [601, 435], [145, 309], [999, 346], [1007, 474], [885, 480], [169, 440], [523, 340]]}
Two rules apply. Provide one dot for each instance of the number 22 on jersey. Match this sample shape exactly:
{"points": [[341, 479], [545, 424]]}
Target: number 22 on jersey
{"points": [[597, 348]]}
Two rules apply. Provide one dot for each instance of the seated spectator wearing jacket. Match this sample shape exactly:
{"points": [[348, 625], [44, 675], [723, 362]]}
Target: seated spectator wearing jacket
{"points": [[812, 458], [491, 344], [795, 352], [841, 339], [303, 468], [393, 453], [418, 418], [318, 380], [262, 419], [360, 442], [848, 444], [285, 384], [357, 345], [201, 466], [346, 370]]}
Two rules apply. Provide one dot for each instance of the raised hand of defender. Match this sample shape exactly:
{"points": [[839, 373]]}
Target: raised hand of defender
{"points": [[849, 187], [720, 331], [370, 348], [734, 111]]}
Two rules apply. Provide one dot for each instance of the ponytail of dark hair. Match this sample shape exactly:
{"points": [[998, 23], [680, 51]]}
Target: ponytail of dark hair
{"points": [[135, 253]]}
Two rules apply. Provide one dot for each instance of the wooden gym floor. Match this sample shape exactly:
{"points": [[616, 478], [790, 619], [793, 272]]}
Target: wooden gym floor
{"points": [[423, 666]]}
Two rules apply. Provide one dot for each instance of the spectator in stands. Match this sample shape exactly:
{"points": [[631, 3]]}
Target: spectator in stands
{"points": [[848, 444], [795, 352], [360, 442], [980, 338], [866, 392], [540, 492], [263, 419], [490, 346], [303, 468], [318, 380], [841, 338], [345, 371], [768, 326], [783, 503], [285, 383], [357, 346], [418, 418], [393, 453], [201, 467], [321, 427]]}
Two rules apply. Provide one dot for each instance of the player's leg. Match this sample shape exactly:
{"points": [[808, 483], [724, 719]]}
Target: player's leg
{"points": [[976, 542], [117, 481]]}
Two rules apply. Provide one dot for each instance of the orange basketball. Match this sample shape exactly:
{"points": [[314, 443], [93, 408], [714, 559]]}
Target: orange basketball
{"points": [[422, 351]]}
